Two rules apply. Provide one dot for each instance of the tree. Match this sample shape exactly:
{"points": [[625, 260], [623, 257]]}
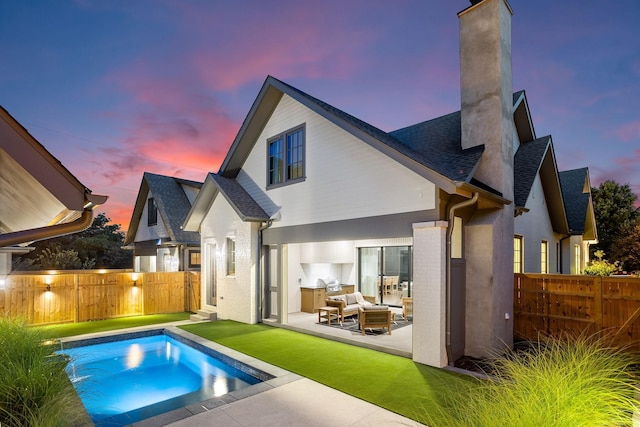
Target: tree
{"points": [[99, 246], [614, 212], [627, 248]]}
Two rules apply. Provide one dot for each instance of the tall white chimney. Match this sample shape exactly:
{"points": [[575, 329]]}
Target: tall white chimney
{"points": [[486, 89]]}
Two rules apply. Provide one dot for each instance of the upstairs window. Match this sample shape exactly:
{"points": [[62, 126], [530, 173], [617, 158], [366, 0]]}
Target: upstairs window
{"points": [[286, 157], [152, 212]]}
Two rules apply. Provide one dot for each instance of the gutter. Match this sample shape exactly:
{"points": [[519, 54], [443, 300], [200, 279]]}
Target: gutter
{"points": [[260, 290], [47, 232], [24, 236], [452, 211]]}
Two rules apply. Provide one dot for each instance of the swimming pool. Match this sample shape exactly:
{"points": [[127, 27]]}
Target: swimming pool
{"points": [[130, 377]]}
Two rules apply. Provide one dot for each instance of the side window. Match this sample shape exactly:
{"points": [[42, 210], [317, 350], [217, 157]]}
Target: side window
{"points": [[544, 257], [231, 257], [194, 259], [286, 157], [517, 254], [152, 212]]}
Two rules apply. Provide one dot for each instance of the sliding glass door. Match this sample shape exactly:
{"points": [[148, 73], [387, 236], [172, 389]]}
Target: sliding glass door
{"points": [[384, 273]]}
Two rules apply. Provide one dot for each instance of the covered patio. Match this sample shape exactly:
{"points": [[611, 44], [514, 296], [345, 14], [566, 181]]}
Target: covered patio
{"points": [[398, 343]]}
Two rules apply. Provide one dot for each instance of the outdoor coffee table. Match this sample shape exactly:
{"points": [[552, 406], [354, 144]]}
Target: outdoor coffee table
{"points": [[328, 313]]}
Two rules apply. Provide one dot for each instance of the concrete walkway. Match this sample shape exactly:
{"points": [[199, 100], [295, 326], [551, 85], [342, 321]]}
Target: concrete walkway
{"points": [[299, 403]]}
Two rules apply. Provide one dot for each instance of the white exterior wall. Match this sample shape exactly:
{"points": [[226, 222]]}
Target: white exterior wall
{"points": [[236, 295], [334, 161], [535, 226]]}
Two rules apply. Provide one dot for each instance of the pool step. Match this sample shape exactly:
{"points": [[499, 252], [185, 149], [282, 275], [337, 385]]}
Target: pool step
{"points": [[203, 315]]}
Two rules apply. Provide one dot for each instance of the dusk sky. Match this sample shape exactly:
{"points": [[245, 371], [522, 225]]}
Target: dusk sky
{"points": [[115, 88]]}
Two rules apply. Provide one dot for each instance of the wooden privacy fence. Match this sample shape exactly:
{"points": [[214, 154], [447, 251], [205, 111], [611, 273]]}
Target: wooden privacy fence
{"points": [[44, 298], [558, 304]]}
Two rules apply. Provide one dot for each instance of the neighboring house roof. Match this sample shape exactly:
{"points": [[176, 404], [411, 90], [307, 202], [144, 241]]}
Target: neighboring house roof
{"points": [[537, 158], [39, 197], [173, 206], [576, 188]]}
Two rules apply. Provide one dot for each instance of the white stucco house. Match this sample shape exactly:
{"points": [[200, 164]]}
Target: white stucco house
{"points": [[155, 235], [308, 191]]}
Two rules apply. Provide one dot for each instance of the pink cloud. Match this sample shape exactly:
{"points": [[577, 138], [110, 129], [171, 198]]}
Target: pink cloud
{"points": [[628, 132]]}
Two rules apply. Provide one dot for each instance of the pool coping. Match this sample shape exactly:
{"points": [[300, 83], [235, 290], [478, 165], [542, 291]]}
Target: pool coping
{"points": [[278, 376]]}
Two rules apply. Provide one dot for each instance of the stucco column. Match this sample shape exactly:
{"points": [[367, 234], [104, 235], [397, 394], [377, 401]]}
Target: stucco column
{"points": [[429, 293]]}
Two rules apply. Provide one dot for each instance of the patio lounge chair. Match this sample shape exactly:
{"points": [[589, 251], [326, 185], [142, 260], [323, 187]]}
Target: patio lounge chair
{"points": [[407, 307], [374, 316]]}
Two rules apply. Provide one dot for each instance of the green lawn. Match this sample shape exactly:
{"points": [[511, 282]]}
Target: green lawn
{"points": [[392, 382], [71, 329]]}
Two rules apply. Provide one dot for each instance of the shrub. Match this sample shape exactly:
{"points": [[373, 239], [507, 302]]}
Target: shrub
{"points": [[560, 382], [34, 387], [600, 267]]}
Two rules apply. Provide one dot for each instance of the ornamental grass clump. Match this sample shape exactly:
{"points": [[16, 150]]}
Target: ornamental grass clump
{"points": [[34, 387], [559, 382]]}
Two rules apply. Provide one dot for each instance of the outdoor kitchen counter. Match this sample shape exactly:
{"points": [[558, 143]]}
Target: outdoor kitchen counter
{"points": [[312, 298]]}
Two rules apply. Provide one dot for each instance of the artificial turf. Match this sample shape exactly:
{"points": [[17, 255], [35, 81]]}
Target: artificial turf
{"points": [[70, 329], [392, 382]]}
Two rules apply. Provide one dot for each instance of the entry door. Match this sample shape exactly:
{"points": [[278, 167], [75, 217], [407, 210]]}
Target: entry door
{"points": [[210, 287], [273, 283]]}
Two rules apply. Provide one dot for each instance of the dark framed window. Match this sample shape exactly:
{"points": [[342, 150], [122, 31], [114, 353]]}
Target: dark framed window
{"points": [[194, 259], [231, 257], [285, 157], [152, 212]]}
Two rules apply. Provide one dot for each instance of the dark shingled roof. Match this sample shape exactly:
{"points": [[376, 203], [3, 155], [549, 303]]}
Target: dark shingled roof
{"points": [[439, 141], [248, 209], [434, 143], [526, 165], [576, 202], [173, 205]]}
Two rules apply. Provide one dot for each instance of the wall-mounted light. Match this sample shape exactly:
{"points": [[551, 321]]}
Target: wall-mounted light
{"points": [[48, 287], [135, 283]]}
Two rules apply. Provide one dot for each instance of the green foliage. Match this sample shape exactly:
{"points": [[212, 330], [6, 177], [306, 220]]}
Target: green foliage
{"points": [[561, 382], [614, 211], [601, 267], [99, 246], [34, 387], [62, 259]]}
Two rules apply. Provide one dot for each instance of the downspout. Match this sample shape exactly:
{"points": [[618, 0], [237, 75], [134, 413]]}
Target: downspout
{"points": [[260, 290], [24, 236], [560, 248], [452, 211]]}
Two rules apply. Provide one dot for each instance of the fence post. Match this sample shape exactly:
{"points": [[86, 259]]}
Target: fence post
{"points": [[597, 303], [76, 297]]}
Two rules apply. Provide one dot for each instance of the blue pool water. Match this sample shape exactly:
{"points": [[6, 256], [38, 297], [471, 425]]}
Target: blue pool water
{"points": [[126, 381]]}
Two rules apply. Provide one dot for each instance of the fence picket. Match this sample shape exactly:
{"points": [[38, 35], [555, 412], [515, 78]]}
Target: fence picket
{"points": [[578, 304], [84, 296]]}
